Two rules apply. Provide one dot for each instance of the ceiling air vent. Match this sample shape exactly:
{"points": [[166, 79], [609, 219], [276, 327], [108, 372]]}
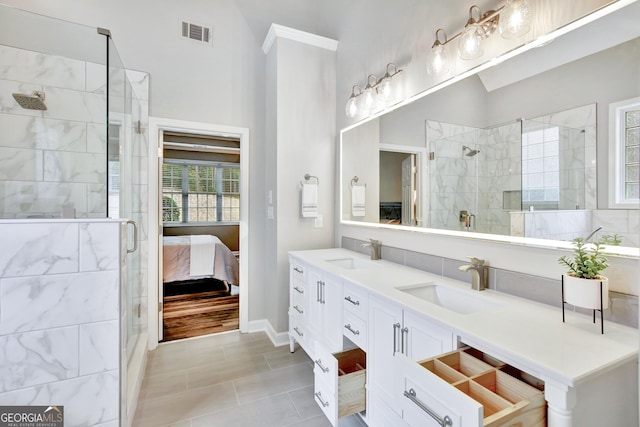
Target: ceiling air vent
{"points": [[196, 32]]}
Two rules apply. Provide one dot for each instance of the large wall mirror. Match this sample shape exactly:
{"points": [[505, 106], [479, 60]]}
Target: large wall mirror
{"points": [[512, 150]]}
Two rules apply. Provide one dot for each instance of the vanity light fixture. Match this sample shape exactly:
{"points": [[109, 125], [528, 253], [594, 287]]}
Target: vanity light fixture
{"points": [[376, 91], [513, 20]]}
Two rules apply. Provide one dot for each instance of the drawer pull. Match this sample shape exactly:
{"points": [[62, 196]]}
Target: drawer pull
{"points": [[298, 332], [297, 270], [321, 366], [298, 309], [353, 331], [322, 402], [411, 395], [348, 298], [300, 291]]}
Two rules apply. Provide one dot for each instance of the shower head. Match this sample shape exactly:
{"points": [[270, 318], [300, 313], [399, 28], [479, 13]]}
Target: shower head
{"points": [[471, 152], [35, 101]]}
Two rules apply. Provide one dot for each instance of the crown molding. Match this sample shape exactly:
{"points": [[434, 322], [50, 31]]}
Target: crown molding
{"points": [[281, 31]]}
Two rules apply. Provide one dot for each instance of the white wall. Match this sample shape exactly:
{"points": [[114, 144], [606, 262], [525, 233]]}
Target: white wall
{"points": [[301, 132]]}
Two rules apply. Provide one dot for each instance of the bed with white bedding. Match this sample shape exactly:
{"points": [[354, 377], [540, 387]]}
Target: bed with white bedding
{"points": [[198, 257]]}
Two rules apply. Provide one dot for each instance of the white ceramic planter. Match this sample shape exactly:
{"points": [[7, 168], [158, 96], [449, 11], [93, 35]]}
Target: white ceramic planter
{"points": [[586, 292]]}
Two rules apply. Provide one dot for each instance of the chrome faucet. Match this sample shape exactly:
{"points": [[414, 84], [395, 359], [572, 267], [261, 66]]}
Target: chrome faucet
{"points": [[479, 273], [376, 248]]}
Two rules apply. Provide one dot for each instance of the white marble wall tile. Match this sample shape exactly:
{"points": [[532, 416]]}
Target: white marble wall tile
{"points": [[39, 357], [74, 105], [99, 246], [9, 105], [139, 83], [23, 198], [87, 401], [21, 164], [34, 67], [99, 347], [59, 300], [87, 168], [37, 133], [96, 200], [38, 249], [96, 138], [96, 78]]}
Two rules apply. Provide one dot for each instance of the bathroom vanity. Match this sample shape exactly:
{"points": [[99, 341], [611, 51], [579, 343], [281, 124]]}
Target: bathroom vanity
{"points": [[403, 347]]}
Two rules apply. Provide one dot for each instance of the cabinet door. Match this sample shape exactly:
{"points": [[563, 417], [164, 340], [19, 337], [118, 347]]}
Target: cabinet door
{"points": [[421, 339], [314, 285], [331, 312], [384, 328]]}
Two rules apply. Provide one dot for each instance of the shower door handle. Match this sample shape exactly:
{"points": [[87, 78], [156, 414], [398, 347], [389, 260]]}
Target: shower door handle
{"points": [[135, 237]]}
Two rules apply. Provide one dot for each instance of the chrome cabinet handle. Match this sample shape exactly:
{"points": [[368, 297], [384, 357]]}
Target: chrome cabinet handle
{"points": [[353, 331], [322, 300], [403, 344], [321, 366], [135, 237], [300, 291], [322, 402], [297, 270], [298, 332], [318, 284], [298, 309], [411, 395], [348, 298], [396, 328]]}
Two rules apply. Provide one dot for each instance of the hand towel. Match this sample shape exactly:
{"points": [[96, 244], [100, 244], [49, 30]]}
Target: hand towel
{"points": [[309, 200], [202, 256], [358, 205]]}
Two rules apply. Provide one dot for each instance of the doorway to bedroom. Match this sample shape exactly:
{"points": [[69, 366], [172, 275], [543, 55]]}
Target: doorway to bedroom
{"points": [[200, 191]]}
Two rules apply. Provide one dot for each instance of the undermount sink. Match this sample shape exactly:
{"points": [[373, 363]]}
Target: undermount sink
{"points": [[460, 301], [351, 263]]}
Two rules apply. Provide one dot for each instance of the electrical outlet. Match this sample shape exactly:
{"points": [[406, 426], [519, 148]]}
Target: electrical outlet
{"points": [[270, 212]]}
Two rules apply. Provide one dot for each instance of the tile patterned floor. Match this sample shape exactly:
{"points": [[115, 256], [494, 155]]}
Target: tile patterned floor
{"points": [[229, 380]]}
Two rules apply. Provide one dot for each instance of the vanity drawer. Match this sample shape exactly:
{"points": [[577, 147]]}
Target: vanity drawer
{"points": [[298, 330], [469, 392], [355, 329], [355, 300], [345, 394]]}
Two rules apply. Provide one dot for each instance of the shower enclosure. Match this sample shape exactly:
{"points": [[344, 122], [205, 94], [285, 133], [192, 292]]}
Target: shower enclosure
{"points": [[73, 145], [479, 177]]}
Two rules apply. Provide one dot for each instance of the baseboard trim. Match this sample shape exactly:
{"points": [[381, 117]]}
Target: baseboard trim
{"points": [[263, 325]]}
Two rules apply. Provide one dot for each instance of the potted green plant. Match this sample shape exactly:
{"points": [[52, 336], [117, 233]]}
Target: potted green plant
{"points": [[583, 283]]}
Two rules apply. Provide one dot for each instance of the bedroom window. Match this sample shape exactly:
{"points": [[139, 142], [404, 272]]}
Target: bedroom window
{"points": [[624, 150], [200, 192]]}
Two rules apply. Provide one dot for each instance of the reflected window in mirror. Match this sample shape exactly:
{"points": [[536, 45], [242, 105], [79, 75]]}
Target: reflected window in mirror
{"points": [[625, 151]]}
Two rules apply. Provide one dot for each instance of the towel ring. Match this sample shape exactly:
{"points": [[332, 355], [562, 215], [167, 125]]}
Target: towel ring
{"points": [[355, 179], [308, 177]]}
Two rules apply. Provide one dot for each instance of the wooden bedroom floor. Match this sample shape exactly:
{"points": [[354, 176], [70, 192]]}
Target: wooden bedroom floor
{"points": [[202, 313]]}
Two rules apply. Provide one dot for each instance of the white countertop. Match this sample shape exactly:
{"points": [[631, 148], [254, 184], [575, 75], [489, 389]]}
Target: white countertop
{"points": [[520, 332]]}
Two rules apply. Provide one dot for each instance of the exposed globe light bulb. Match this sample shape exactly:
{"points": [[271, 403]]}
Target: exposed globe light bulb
{"points": [[438, 61], [515, 18], [385, 89], [351, 109], [469, 43]]}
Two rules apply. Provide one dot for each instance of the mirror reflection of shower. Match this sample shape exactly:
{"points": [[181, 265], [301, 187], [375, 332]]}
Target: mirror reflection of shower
{"points": [[469, 151]]}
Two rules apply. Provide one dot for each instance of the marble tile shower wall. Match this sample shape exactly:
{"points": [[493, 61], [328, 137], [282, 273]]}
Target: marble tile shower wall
{"points": [[53, 158], [623, 308], [59, 317]]}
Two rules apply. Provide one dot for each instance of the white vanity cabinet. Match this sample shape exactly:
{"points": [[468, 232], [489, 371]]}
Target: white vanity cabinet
{"points": [[394, 330]]}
